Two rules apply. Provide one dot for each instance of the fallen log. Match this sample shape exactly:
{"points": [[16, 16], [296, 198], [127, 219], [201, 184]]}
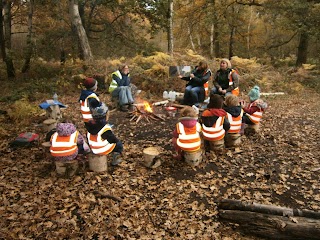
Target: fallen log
{"points": [[273, 226], [271, 221], [229, 204]]}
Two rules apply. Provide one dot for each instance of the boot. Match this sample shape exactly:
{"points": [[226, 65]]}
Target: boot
{"points": [[116, 159], [124, 108]]}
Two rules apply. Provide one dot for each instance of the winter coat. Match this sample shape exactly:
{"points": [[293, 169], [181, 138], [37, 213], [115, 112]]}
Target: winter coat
{"points": [[65, 130]]}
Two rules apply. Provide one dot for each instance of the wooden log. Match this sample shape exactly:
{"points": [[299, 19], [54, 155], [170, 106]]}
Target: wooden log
{"points": [[275, 93], [160, 103], [229, 204], [272, 226]]}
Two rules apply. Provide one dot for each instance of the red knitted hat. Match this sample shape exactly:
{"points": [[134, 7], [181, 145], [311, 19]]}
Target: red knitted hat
{"points": [[90, 83]]}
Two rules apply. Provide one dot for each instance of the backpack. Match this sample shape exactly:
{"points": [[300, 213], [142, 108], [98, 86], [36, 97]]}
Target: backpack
{"points": [[26, 139]]}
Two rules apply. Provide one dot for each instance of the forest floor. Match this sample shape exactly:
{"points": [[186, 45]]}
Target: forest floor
{"points": [[279, 166]]}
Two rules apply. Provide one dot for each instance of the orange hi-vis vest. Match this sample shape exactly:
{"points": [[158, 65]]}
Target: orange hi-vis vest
{"points": [[236, 90], [189, 138], [63, 146], [235, 122], [214, 133], [256, 116], [206, 84], [85, 109], [99, 145]]}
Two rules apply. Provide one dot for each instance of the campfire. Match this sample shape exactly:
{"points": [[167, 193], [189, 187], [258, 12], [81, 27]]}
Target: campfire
{"points": [[143, 111]]}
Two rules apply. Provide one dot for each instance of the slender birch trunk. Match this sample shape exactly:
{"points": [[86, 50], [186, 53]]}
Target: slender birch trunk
{"points": [[80, 31]]}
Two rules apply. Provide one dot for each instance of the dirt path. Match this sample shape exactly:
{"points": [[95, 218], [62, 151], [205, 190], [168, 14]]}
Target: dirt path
{"points": [[280, 166]]}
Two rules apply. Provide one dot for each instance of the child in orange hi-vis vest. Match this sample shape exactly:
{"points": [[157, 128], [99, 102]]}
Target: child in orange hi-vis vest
{"points": [[101, 139], [234, 114], [256, 107], [186, 135], [67, 142], [214, 121]]}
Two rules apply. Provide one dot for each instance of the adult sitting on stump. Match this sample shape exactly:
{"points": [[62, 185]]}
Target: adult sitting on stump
{"points": [[197, 82], [120, 88], [226, 80]]}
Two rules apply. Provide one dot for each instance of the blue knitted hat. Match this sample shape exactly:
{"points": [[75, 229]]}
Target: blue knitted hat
{"points": [[254, 93]]}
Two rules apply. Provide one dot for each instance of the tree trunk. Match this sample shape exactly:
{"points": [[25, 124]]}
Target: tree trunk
{"points": [[216, 41], [29, 49], [170, 27], [302, 49], [6, 35], [214, 38], [190, 38], [231, 41], [249, 33], [81, 33], [2, 43]]}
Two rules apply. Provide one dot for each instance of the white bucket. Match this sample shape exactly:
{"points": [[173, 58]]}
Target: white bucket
{"points": [[98, 163], [149, 154], [193, 158]]}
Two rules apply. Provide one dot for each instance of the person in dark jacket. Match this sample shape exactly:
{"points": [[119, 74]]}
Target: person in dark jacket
{"points": [[195, 90], [100, 136], [226, 80]]}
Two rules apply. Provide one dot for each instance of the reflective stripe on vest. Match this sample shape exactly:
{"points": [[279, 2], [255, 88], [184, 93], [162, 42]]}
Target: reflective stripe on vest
{"points": [[236, 90], [85, 109], [214, 133], [235, 123], [206, 88], [63, 146], [114, 84], [255, 117], [98, 145], [206, 84], [189, 138]]}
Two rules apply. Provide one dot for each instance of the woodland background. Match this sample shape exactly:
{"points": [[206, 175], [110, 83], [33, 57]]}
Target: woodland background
{"points": [[49, 46]]}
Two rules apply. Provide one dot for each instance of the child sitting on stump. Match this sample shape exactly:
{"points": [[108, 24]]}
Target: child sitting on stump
{"points": [[89, 99], [186, 135], [253, 112], [66, 144], [234, 115], [214, 123], [101, 139]]}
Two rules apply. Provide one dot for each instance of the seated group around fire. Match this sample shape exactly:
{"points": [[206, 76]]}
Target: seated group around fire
{"points": [[221, 123]]}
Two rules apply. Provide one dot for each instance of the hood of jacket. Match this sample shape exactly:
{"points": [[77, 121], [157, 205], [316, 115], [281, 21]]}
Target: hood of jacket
{"points": [[219, 112], [188, 122], [85, 93], [65, 129], [235, 111]]}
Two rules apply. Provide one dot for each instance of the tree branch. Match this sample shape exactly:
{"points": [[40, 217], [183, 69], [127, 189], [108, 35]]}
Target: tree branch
{"points": [[283, 43]]}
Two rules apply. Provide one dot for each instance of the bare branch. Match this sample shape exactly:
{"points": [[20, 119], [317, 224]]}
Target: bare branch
{"points": [[283, 43]]}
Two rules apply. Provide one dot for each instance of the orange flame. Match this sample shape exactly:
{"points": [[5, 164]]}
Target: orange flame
{"points": [[147, 107]]}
